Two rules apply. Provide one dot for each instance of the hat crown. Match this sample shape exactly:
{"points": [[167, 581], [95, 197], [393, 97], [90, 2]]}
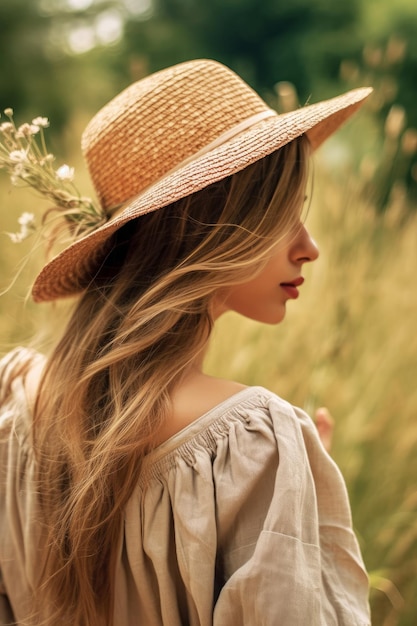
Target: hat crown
{"points": [[158, 122]]}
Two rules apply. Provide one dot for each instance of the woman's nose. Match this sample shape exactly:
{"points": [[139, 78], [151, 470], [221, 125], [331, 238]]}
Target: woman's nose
{"points": [[305, 248]]}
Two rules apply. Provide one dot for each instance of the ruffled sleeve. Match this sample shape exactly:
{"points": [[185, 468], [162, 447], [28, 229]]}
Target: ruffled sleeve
{"points": [[304, 567]]}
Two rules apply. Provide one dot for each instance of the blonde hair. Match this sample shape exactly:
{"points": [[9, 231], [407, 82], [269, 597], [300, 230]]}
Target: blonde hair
{"points": [[142, 320]]}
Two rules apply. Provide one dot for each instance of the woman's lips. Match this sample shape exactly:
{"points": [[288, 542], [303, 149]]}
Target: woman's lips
{"points": [[290, 288]]}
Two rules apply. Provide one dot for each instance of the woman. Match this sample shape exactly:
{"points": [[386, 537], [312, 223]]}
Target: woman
{"points": [[135, 488]]}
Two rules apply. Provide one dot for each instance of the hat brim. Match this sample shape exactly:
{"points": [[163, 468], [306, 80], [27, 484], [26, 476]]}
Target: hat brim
{"points": [[71, 270]]}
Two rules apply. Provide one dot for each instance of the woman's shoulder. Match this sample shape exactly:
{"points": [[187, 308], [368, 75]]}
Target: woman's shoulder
{"points": [[200, 397], [201, 394], [205, 410], [200, 401], [195, 396]]}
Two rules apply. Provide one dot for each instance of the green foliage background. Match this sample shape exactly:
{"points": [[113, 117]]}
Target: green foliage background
{"points": [[350, 342]]}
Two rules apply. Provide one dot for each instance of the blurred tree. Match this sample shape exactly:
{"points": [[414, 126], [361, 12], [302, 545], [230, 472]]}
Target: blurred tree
{"points": [[46, 42], [41, 74], [302, 42], [21, 31], [57, 57], [28, 77]]}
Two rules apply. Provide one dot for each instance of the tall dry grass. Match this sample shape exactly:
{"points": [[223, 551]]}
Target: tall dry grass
{"points": [[349, 343]]}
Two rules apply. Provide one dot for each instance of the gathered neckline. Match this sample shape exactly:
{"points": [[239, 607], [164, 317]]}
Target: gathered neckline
{"points": [[204, 421]]}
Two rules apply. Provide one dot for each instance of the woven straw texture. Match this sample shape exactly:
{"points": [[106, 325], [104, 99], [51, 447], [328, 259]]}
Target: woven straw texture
{"points": [[135, 148], [160, 121]]}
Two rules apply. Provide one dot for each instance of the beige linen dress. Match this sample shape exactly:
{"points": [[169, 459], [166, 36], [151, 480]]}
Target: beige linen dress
{"points": [[240, 519]]}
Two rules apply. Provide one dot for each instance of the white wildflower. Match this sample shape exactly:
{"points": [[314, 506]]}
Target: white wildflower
{"points": [[18, 175], [27, 130], [24, 155], [18, 156], [42, 122], [26, 219], [65, 173], [6, 127], [27, 227], [15, 237]]}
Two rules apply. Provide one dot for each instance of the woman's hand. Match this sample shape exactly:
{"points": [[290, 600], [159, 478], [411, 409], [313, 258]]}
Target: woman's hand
{"points": [[325, 425]]}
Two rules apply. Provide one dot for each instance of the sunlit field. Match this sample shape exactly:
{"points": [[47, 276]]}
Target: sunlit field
{"points": [[349, 343]]}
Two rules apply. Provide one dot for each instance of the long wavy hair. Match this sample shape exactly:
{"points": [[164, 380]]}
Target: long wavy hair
{"points": [[106, 390]]}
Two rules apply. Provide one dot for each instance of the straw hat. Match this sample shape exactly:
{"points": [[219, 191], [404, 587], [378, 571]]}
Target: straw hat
{"points": [[170, 135]]}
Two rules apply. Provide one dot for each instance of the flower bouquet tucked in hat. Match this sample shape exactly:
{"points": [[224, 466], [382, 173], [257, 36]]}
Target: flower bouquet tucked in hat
{"points": [[24, 156]]}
